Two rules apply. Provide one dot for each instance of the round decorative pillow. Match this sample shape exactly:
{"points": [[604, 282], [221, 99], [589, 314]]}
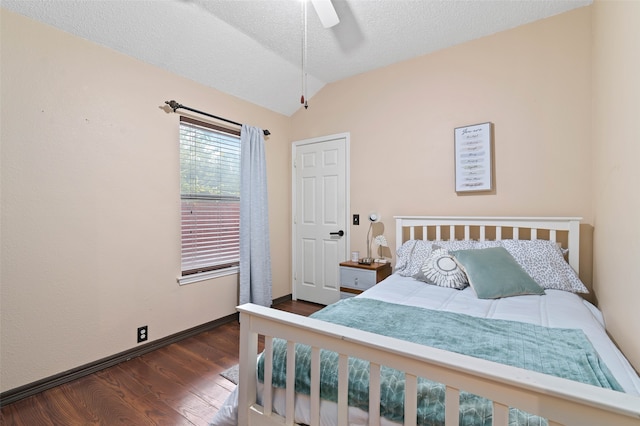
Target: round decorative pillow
{"points": [[441, 269]]}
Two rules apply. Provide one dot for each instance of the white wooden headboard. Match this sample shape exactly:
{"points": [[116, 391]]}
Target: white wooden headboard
{"points": [[420, 227]]}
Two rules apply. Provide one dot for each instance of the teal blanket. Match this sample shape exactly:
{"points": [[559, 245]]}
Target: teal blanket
{"points": [[564, 353]]}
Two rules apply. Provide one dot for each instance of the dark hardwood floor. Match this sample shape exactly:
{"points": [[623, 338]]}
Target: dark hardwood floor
{"points": [[179, 384]]}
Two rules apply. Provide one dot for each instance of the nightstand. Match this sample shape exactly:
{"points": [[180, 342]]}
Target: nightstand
{"points": [[356, 278]]}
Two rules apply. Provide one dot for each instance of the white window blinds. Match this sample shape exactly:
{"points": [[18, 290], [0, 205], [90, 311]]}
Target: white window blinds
{"points": [[210, 196]]}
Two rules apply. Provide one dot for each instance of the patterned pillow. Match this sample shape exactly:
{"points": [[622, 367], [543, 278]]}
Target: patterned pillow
{"points": [[441, 269], [403, 255], [413, 253], [544, 262]]}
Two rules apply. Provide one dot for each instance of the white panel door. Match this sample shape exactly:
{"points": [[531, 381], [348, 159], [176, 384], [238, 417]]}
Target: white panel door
{"points": [[320, 217]]}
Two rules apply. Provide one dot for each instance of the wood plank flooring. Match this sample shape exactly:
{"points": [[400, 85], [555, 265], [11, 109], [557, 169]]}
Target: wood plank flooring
{"points": [[176, 385]]}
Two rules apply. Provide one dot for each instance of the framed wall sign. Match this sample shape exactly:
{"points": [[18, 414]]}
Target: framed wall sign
{"points": [[473, 158]]}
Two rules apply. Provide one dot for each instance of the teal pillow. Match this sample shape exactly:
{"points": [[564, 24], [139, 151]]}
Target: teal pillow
{"points": [[493, 273]]}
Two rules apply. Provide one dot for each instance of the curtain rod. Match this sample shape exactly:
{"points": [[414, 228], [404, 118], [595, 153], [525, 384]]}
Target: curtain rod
{"points": [[175, 105]]}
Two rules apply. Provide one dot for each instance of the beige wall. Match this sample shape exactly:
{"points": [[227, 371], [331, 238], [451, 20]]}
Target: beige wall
{"points": [[616, 141], [90, 233], [90, 202], [532, 82]]}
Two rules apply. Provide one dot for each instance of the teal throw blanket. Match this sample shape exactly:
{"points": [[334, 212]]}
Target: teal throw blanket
{"points": [[564, 353]]}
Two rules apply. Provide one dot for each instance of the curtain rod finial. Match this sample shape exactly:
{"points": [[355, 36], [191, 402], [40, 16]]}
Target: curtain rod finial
{"points": [[173, 104]]}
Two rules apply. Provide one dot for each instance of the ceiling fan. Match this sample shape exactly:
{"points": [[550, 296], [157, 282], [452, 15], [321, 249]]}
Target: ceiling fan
{"points": [[326, 12]]}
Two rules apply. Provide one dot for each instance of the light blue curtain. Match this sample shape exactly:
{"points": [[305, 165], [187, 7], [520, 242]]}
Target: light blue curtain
{"points": [[255, 257]]}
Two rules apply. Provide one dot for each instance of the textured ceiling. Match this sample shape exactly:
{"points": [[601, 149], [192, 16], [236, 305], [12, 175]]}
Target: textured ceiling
{"points": [[252, 49]]}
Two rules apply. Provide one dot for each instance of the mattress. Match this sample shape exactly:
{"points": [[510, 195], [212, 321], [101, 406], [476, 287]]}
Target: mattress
{"points": [[556, 309]]}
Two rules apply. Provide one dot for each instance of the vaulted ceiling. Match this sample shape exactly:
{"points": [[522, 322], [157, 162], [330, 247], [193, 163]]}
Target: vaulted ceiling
{"points": [[252, 49]]}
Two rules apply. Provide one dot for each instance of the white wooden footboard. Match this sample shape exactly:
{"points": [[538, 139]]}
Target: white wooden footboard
{"points": [[563, 402]]}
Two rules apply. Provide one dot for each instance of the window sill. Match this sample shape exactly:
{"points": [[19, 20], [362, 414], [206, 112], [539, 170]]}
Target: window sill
{"points": [[194, 278]]}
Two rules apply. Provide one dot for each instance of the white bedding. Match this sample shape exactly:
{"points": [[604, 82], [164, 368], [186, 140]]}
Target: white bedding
{"points": [[559, 309], [555, 309]]}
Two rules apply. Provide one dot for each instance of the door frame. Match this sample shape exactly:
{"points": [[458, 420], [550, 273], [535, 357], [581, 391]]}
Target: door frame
{"points": [[347, 193]]}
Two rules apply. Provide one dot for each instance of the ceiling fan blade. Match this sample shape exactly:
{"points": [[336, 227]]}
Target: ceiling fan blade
{"points": [[326, 12]]}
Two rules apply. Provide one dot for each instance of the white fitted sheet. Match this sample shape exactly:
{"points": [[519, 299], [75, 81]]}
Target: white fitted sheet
{"points": [[557, 308]]}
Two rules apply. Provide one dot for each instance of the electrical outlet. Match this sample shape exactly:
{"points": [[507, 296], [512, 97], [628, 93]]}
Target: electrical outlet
{"points": [[356, 219], [143, 334]]}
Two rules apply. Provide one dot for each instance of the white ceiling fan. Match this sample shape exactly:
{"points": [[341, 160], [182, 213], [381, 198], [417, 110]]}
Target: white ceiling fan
{"points": [[326, 12]]}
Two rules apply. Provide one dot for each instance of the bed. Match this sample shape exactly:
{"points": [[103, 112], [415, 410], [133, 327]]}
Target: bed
{"points": [[422, 347]]}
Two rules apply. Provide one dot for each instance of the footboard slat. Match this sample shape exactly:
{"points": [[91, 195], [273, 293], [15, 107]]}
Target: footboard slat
{"points": [[500, 414], [267, 393], [374, 394], [452, 406], [410, 399], [291, 380], [315, 386], [343, 390], [561, 401]]}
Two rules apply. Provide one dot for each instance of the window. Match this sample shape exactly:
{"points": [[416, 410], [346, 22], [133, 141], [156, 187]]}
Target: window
{"points": [[210, 197]]}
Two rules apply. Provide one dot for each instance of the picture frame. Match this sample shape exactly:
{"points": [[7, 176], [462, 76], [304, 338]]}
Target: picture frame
{"points": [[473, 158]]}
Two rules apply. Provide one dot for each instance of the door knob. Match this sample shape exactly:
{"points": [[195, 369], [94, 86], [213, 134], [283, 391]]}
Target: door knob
{"points": [[340, 233]]}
